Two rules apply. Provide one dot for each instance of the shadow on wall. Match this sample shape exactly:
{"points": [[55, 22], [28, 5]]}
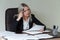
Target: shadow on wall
{"points": [[39, 16]]}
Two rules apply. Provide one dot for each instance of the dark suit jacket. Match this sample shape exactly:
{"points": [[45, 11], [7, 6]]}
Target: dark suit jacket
{"points": [[19, 25]]}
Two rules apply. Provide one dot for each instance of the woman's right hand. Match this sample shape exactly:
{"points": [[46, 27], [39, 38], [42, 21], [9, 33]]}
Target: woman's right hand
{"points": [[20, 15]]}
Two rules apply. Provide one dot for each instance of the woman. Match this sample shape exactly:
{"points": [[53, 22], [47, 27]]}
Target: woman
{"points": [[25, 19]]}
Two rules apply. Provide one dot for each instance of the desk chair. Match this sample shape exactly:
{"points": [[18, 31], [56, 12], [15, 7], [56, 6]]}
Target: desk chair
{"points": [[10, 22]]}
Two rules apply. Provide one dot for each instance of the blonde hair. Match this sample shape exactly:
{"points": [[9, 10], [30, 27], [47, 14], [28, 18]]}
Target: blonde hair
{"points": [[20, 8]]}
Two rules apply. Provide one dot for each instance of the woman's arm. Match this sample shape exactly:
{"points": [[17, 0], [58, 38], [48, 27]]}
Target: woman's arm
{"points": [[20, 15], [36, 21]]}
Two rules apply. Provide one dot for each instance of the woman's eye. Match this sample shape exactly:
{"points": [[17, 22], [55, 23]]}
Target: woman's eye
{"points": [[24, 11]]}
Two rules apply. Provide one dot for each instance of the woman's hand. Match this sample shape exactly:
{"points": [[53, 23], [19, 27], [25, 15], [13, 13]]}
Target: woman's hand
{"points": [[20, 15]]}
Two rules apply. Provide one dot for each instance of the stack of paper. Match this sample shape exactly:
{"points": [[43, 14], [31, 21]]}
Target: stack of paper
{"points": [[34, 30], [5, 33], [47, 31], [37, 27], [12, 36], [40, 36], [16, 37]]}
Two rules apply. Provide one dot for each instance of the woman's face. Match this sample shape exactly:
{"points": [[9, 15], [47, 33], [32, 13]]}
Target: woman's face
{"points": [[26, 11]]}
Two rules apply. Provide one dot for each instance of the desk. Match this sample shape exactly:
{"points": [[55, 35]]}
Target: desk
{"points": [[40, 39], [55, 37], [21, 36]]}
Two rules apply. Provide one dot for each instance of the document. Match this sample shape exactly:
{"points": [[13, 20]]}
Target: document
{"points": [[28, 37], [4, 33], [42, 36], [34, 30], [16, 37], [37, 27], [12, 36], [37, 37]]}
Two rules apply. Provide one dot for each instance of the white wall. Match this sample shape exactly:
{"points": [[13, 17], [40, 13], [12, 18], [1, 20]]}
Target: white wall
{"points": [[47, 11]]}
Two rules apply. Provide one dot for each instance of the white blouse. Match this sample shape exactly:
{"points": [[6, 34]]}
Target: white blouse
{"points": [[26, 24]]}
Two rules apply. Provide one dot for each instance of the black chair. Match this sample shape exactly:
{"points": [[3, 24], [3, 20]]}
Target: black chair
{"points": [[10, 22]]}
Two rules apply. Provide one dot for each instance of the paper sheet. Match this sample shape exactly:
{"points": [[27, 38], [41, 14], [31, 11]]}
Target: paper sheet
{"points": [[41, 36], [35, 29], [47, 31], [37, 37], [13, 36], [16, 37], [4, 33]]}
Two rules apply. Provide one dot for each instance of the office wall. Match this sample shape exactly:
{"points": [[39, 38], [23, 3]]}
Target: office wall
{"points": [[47, 11]]}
